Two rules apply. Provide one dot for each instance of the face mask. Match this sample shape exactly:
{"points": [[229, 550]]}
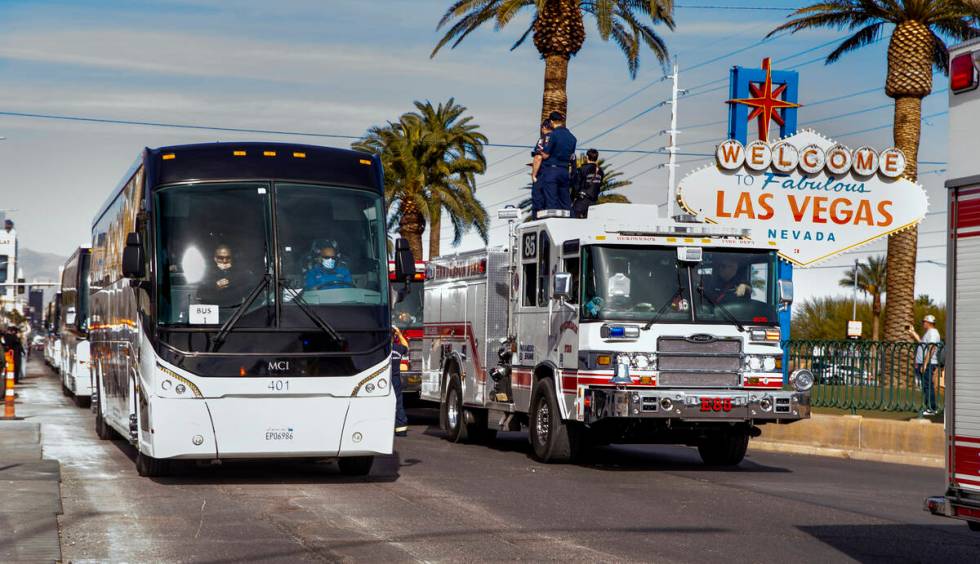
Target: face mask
{"points": [[224, 265], [329, 263]]}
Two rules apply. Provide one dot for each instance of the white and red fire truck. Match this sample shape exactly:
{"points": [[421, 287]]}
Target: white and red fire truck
{"points": [[619, 328], [406, 315], [962, 497]]}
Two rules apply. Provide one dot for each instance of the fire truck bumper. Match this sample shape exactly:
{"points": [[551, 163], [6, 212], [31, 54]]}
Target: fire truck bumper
{"points": [[957, 508], [694, 405]]}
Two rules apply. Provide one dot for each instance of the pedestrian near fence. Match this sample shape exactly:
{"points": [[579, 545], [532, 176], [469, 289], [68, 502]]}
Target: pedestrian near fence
{"points": [[926, 361]]}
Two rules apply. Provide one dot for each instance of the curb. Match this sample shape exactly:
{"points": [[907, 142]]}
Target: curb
{"points": [[853, 454]]}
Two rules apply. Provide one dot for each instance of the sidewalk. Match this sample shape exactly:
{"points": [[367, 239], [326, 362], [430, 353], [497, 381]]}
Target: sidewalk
{"points": [[30, 493]]}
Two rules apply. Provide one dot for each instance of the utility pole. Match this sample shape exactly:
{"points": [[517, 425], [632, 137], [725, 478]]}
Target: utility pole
{"points": [[672, 143]]}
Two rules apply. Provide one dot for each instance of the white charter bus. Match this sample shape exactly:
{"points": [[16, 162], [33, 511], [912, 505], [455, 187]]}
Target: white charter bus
{"points": [[74, 361], [220, 329]]}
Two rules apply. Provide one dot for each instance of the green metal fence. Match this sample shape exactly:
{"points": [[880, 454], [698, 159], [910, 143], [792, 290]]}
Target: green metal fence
{"points": [[868, 375]]}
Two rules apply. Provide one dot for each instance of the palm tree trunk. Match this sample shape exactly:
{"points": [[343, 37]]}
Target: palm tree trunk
{"points": [[875, 316], [411, 226], [435, 230], [902, 247], [555, 86]]}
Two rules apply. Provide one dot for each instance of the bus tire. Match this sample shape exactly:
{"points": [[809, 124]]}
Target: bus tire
{"points": [[83, 402], [553, 440], [102, 429], [150, 467], [355, 465], [974, 526], [452, 411], [725, 449]]}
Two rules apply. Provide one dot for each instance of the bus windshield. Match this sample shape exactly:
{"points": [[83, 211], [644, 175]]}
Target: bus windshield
{"points": [[218, 248], [641, 283], [407, 314]]}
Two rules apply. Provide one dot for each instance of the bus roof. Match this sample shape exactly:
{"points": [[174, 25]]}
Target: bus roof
{"points": [[254, 160]]}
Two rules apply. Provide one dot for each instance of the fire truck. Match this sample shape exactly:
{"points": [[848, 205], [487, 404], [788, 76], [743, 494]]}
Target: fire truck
{"points": [[406, 315], [962, 497], [619, 328]]}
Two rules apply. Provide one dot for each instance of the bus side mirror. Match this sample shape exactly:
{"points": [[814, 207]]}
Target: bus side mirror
{"points": [[400, 294], [785, 292], [133, 263], [404, 261], [562, 286]]}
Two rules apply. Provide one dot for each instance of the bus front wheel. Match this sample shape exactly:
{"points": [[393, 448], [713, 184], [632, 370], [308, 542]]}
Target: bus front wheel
{"points": [[150, 467], [355, 465]]}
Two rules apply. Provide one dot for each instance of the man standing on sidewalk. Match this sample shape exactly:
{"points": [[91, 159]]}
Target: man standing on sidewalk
{"points": [[926, 361]]}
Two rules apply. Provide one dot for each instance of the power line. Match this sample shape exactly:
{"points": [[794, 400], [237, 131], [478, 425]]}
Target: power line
{"points": [[756, 8]]}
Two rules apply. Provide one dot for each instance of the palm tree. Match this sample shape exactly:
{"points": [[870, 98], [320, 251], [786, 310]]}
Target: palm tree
{"points": [[915, 47], [611, 182], [871, 278], [462, 144], [427, 170], [558, 28]]}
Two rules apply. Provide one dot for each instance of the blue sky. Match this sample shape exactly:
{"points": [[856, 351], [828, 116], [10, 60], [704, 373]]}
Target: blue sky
{"points": [[341, 66]]}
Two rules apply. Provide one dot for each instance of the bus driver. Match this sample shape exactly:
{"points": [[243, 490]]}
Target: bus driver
{"points": [[326, 272]]}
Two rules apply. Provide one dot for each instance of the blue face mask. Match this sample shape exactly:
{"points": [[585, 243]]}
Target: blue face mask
{"points": [[329, 263]]}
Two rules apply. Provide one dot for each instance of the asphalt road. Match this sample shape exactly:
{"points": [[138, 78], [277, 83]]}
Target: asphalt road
{"points": [[437, 501]]}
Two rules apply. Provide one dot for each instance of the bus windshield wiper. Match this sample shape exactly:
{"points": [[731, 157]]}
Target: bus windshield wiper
{"points": [[304, 306], [230, 324], [678, 293], [724, 310]]}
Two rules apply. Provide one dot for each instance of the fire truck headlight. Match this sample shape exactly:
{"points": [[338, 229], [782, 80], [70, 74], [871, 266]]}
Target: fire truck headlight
{"points": [[641, 362], [753, 362], [769, 363], [802, 380]]}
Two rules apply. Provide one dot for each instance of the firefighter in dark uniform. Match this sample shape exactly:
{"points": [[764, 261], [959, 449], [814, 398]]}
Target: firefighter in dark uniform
{"points": [[556, 167], [586, 185], [399, 351], [537, 196]]}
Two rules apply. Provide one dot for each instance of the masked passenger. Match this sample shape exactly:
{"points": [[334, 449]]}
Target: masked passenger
{"points": [[226, 283], [327, 272]]}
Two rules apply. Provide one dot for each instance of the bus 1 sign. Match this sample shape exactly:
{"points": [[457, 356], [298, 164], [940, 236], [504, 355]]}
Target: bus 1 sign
{"points": [[808, 196]]}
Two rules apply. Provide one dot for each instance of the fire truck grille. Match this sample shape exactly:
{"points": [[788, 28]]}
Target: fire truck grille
{"points": [[699, 363], [697, 380]]}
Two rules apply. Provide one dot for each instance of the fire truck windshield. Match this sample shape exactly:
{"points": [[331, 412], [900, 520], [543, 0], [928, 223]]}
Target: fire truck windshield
{"points": [[640, 283]]}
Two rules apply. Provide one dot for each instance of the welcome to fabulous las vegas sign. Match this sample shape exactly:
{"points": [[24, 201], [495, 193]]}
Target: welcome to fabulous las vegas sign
{"points": [[809, 197]]}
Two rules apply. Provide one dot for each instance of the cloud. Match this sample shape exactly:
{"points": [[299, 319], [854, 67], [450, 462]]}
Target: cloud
{"points": [[201, 56]]}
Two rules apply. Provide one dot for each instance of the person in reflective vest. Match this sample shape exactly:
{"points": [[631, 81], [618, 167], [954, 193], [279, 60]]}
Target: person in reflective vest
{"points": [[399, 351]]}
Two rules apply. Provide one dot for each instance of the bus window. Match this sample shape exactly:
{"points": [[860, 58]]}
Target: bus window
{"points": [[213, 252], [328, 251]]}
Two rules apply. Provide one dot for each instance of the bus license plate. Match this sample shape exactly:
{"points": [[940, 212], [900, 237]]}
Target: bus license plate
{"points": [[716, 405]]}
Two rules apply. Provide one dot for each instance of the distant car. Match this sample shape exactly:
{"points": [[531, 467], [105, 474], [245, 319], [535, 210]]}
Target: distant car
{"points": [[37, 343]]}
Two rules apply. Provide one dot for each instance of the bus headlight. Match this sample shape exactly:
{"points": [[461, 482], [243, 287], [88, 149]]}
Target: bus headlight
{"points": [[173, 385], [802, 380], [374, 384]]}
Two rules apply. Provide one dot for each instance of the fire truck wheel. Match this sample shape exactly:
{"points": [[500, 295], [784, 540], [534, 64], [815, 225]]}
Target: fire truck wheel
{"points": [[724, 449], [451, 412], [974, 526], [552, 439]]}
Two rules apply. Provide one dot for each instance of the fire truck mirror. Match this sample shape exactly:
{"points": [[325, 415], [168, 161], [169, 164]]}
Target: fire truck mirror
{"points": [[404, 261], [562, 288], [785, 292]]}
